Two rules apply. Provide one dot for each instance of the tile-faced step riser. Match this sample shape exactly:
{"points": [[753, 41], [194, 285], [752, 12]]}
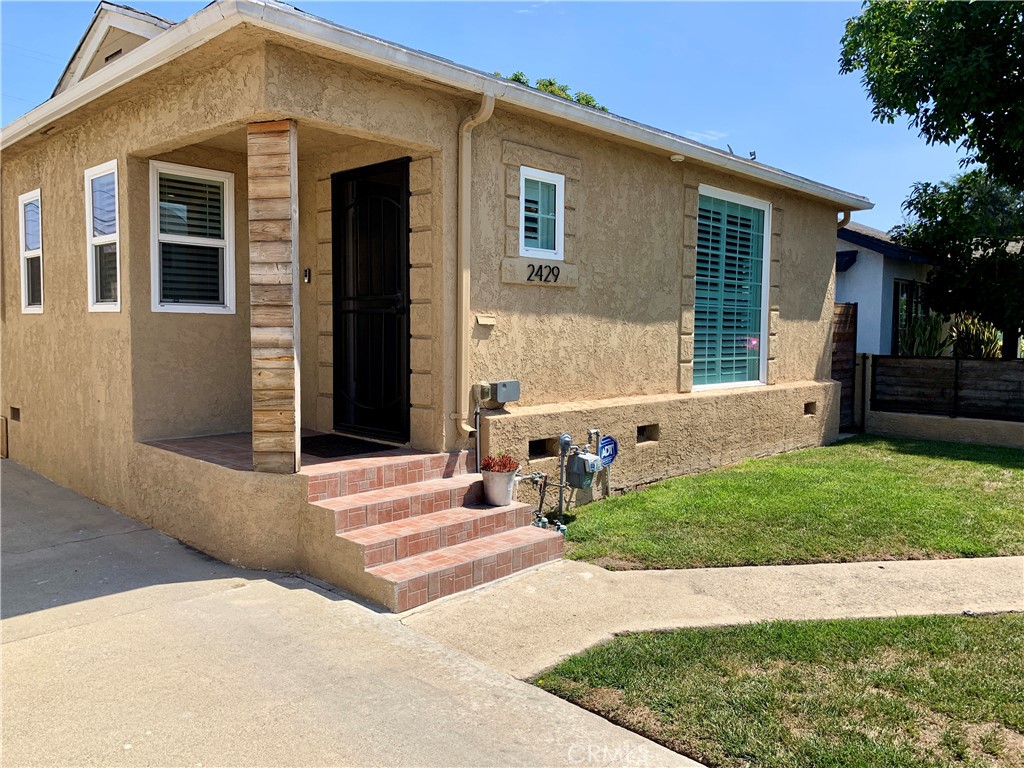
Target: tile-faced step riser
{"points": [[449, 535], [330, 485], [377, 513], [458, 578]]}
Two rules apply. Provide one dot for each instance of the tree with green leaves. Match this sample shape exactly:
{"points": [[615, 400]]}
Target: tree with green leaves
{"points": [[956, 69], [972, 227], [555, 88]]}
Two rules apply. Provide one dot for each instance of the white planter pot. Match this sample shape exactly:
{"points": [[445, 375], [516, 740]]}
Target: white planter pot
{"points": [[498, 488]]}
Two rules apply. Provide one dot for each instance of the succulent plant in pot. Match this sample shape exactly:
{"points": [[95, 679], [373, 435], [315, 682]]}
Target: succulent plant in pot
{"points": [[499, 473]]}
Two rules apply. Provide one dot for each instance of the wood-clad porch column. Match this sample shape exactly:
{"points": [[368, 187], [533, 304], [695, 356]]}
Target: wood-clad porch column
{"points": [[273, 295]]}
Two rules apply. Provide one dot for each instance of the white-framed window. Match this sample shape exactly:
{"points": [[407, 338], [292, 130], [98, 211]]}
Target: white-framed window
{"points": [[192, 219], [30, 224], [541, 214], [102, 238], [731, 303]]}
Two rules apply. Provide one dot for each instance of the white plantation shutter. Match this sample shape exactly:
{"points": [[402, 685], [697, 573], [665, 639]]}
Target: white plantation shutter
{"points": [[539, 214], [727, 310]]}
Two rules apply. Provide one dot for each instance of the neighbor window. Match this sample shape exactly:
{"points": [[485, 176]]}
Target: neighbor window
{"points": [[101, 237], [730, 311], [907, 306], [31, 225], [192, 221], [541, 213]]}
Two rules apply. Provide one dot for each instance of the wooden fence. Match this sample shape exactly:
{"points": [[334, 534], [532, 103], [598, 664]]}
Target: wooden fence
{"points": [[844, 359], [946, 386]]}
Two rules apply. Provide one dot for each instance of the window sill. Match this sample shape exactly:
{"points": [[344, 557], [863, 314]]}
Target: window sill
{"points": [[194, 309], [727, 385], [546, 255], [31, 310], [105, 307]]}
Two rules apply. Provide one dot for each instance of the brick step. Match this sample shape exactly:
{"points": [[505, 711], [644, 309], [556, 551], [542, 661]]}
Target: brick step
{"points": [[385, 505], [400, 539], [428, 576], [359, 474]]}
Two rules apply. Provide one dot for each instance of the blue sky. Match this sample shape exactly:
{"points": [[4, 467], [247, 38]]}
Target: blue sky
{"points": [[759, 76]]}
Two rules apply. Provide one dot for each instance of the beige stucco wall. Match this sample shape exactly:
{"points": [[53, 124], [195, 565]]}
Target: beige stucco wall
{"points": [[695, 431], [89, 385], [923, 427]]}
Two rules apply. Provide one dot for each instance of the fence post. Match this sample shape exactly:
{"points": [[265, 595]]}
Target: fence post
{"points": [[956, 388]]}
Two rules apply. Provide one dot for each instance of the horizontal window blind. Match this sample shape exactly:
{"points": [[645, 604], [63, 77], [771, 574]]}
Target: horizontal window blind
{"points": [[193, 207], [539, 215], [191, 274], [33, 237], [727, 310], [104, 205], [105, 267], [34, 281]]}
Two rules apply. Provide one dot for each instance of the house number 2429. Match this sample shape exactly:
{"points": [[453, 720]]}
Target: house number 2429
{"points": [[541, 273]]}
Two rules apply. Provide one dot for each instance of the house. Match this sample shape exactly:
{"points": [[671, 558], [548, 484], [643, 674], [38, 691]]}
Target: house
{"points": [[884, 280], [254, 227]]}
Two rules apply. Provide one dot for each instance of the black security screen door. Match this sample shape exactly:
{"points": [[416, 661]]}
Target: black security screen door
{"points": [[370, 220]]}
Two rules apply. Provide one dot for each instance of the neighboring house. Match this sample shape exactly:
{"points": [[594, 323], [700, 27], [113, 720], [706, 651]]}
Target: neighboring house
{"points": [[884, 280], [258, 222]]}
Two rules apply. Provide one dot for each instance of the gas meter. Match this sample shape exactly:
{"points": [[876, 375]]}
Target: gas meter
{"points": [[580, 468]]}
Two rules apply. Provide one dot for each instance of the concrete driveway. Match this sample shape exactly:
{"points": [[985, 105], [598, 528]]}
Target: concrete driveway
{"points": [[123, 647]]}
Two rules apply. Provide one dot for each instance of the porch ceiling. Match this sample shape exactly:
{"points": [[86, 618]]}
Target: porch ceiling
{"points": [[312, 140]]}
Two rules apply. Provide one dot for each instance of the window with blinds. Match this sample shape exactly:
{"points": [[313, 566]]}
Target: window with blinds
{"points": [[730, 297], [542, 212], [30, 215], [193, 220], [102, 237]]}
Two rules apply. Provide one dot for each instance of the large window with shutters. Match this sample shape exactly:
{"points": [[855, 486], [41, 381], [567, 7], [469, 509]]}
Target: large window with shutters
{"points": [[192, 224], [541, 214], [731, 307], [101, 237], [30, 224]]}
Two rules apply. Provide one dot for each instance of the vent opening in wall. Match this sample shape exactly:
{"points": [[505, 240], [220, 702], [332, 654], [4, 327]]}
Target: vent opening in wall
{"points": [[810, 408], [15, 414], [543, 447], [648, 433]]}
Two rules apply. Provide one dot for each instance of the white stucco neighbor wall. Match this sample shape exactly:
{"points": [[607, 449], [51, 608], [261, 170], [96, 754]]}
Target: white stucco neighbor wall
{"points": [[869, 283], [862, 285]]}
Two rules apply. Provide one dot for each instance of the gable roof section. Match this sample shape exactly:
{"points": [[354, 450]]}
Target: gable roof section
{"points": [[287, 20], [880, 242], [135, 27]]}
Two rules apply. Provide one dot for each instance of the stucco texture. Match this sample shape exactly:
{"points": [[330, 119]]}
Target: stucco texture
{"points": [[610, 352]]}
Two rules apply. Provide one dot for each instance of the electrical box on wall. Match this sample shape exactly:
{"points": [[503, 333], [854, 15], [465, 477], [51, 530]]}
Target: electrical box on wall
{"points": [[495, 394]]}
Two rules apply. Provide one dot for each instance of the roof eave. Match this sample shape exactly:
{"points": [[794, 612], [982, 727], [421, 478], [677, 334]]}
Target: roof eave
{"points": [[220, 16]]}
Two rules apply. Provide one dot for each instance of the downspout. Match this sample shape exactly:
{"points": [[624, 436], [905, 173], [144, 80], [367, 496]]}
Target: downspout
{"points": [[463, 284], [843, 221]]}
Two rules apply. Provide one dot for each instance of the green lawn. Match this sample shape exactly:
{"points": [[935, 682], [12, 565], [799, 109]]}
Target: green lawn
{"points": [[905, 692], [861, 499]]}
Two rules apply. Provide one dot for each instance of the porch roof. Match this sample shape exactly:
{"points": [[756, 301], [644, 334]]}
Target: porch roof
{"points": [[285, 19]]}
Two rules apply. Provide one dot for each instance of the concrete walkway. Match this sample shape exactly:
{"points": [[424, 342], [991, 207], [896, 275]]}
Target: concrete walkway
{"points": [[123, 647], [527, 624]]}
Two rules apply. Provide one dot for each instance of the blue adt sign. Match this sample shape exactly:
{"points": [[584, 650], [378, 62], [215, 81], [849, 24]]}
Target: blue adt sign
{"points": [[608, 449]]}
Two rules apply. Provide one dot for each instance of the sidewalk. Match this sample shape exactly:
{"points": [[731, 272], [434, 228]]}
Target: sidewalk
{"points": [[527, 624]]}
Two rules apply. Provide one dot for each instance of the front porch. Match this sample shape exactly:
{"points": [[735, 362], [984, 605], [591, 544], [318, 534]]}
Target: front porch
{"points": [[234, 451], [398, 526], [330, 326]]}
